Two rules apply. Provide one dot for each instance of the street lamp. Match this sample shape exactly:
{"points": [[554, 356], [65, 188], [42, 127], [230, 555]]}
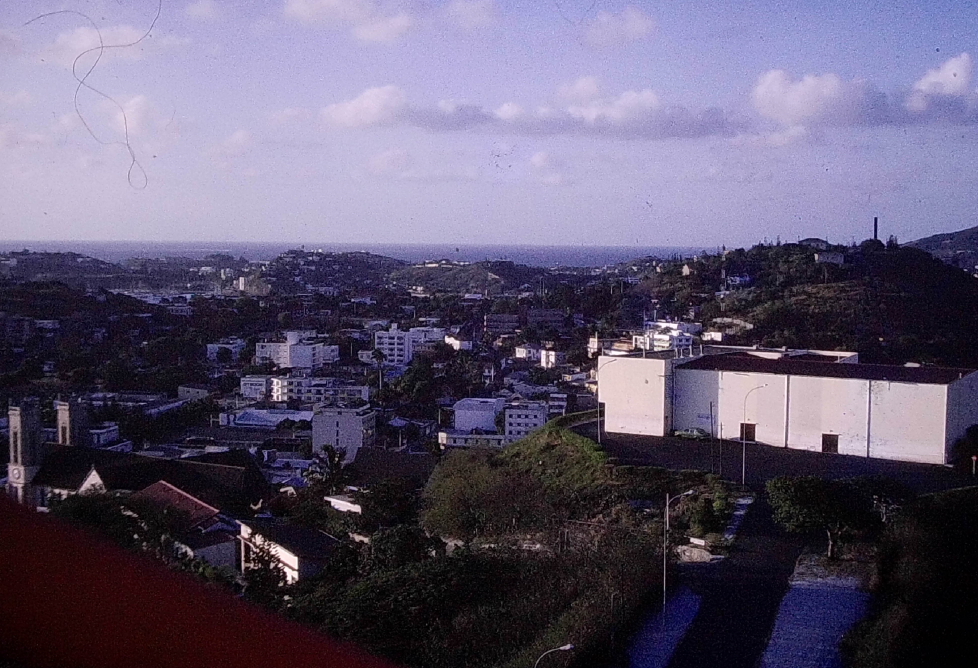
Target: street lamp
{"points": [[665, 543], [743, 437], [562, 648]]}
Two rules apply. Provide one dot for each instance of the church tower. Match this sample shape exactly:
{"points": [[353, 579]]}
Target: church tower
{"points": [[26, 450], [72, 423]]}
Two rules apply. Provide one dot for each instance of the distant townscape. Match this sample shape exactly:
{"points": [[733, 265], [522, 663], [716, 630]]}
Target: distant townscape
{"points": [[331, 434]]}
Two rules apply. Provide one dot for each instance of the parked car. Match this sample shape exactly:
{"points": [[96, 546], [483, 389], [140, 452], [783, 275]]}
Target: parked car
{"points": [[695, 433]]}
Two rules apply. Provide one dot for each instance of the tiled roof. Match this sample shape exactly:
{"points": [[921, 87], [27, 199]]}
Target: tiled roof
{"points": [[192, 510]]}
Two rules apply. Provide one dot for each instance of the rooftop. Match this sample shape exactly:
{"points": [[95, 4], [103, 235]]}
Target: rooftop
{"points": [[792, 367]]}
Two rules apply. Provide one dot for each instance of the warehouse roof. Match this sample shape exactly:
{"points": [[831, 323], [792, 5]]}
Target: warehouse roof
{"points": [[791, 367]]}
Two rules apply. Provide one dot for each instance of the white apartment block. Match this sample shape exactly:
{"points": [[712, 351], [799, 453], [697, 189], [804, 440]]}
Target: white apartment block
{"points": [[782, 399], [399, 345], [524, 417], [550, 359], [346, 429], [475, 413], [234, 346], [255, 387], [308, 389], [299, 350]]}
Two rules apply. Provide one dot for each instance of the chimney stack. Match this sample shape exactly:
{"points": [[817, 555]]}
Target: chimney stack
{"points": [[876, 228]]}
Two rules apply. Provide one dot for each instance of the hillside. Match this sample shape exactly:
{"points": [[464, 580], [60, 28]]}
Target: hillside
{"points": [[959, 249], [489, 277], [891, 304]]}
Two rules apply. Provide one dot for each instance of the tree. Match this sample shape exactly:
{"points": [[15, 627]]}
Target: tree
{"points": [[810, 503], [264, 577]]}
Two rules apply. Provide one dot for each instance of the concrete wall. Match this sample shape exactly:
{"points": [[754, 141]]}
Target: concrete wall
{"points": [[907, 421], [695, 391], [762, 395], [962, 411], [635, 392], [828, 406]]}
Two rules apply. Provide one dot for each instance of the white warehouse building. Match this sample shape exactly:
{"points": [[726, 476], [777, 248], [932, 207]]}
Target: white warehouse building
{"points": [[906, 413]]}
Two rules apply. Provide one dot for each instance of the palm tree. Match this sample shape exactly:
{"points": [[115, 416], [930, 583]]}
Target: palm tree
{"points": [[379, 357]]}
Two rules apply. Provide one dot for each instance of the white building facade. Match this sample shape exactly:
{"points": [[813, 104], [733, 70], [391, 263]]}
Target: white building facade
{"points": [[524, 417], [299, 350], [346, 429], [913, 414]]}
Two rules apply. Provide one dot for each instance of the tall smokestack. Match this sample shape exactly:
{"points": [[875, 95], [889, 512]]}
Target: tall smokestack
{"points": [[876, 228]]}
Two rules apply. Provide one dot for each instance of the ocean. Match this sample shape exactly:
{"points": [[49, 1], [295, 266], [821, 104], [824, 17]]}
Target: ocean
{"points": [[534, 256]]}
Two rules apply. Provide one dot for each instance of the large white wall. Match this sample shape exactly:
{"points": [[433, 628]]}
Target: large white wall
{"points": [[962, 410], [762, 395], [828, 406], [634, 393], [696, 390], [907, 421]]}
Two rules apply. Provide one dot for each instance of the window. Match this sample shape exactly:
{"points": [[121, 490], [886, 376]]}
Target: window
{"points": [[747, 432], [830, 443]]}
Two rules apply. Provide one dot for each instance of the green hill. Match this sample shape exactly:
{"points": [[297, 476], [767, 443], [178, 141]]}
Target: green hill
{"points": [[891, 304], [959, 249], [488, 277]]}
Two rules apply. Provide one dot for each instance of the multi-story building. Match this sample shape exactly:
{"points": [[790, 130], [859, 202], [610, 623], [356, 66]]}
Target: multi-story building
{"points": [[255, 387], [27, 450], [346, 429], [399, 345], [299, 350], [234, 346], [308, 389], [524, 417], [550, 359], [476, 413]]}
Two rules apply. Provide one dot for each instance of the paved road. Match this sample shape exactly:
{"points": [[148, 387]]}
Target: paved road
{"points": [[739, 596]]}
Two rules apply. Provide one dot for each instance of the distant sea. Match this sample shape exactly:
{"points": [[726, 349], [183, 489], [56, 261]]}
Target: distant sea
{"points": [[534, 256]]}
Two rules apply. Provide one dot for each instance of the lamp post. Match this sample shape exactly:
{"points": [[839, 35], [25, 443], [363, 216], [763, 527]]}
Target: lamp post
{"points": [[665, 543], [562, 648], [743, 437]]}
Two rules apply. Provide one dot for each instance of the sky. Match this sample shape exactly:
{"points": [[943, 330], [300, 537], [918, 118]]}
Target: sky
{"points": [[543, 122]]}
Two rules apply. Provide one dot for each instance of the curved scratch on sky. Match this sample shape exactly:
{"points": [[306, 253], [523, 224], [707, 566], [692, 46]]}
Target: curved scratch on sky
{"points": [[134, 164]]}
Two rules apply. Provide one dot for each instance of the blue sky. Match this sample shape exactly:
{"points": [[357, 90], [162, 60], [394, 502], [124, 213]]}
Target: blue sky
{"points": [[489, 121]]}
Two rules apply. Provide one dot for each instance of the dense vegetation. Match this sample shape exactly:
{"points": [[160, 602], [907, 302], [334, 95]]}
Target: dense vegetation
{"points": [[891, 304], [926, 604]]}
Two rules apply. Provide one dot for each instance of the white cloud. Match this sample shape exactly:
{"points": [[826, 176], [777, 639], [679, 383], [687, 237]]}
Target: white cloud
{"points": [[508, 111], [815, 99], [9, 44], [374, 106], [19, 99], [203, 10], [607, 29], [472, 14], [68, 45], [583, 90], [384, 29], [367, 20], [952, 79], [14, 136], [239, 143], [392, 162], [628, 107]]}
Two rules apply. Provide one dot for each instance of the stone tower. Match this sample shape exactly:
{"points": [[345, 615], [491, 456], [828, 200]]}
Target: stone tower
{"points": [[73, 424], [26, 450]]}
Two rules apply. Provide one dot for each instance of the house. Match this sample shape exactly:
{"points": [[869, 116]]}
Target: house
{"points": [[230, 481], [301, 552], [262, 418], [310, 389], [474, 413], [805, 400], [199, 530]]}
